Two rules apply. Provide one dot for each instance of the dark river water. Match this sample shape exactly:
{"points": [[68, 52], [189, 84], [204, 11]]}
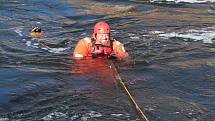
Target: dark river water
{"points": [[170, 72]]}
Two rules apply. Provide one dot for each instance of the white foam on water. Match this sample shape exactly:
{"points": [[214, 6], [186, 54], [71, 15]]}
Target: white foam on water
{"points": [[117, 115], [52, 50], [114, 31], [186, 1], [205, 35], [74, 117], [30, 44], [150, 109], [4, 119], [91, 114], [19, 31], [175, 113], [54, 115], [195, 1], [36, 44], [87, 116], [120, 115], [157, 32], [133, 36], [55, 50]]}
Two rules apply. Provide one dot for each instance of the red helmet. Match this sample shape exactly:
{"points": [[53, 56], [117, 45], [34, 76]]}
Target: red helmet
{"points": [[101, 28]]}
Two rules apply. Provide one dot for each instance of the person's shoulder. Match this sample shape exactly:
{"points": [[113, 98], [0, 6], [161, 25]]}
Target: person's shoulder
{"points": [[85, 40], [116, 42]]}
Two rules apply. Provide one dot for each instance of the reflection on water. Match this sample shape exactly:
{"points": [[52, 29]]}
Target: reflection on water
{"points": [[170, 71], [97, 68]]}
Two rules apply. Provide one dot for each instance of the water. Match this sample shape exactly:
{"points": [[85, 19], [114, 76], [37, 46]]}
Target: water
{"points": [[171, 70]]}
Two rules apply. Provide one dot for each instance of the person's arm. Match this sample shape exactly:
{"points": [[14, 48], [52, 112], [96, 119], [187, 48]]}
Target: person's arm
{"points": [[82, 48], [119, 50]]}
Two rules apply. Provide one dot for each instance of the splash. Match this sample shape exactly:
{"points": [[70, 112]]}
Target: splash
{"points": [[35, 44], [49, 49]]}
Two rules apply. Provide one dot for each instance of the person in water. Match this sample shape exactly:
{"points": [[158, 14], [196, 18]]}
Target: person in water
{"points": [[100, 44], [36, 32]]}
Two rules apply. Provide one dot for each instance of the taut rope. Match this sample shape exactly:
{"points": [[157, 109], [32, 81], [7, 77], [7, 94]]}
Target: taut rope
{"points": [[117, 76]]}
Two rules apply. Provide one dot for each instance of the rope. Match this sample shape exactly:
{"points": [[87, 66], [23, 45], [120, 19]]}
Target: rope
{"points": [[117, 76]]}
